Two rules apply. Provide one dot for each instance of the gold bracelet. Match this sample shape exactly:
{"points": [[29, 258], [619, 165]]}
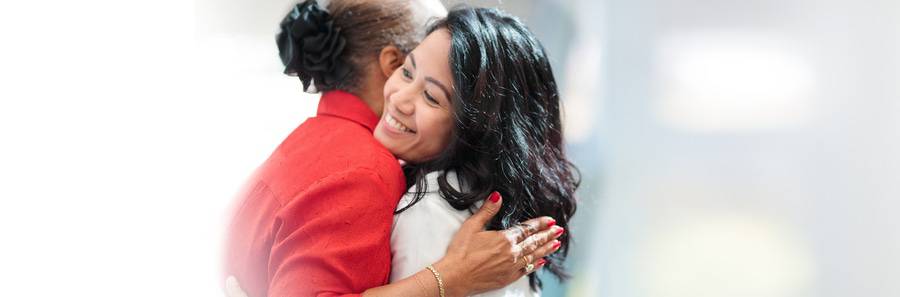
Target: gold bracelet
{"points": [[437, 276]]}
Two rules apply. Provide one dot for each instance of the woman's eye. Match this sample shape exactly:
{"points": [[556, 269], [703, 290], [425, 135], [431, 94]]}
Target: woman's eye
{"points": [[407, 73], [431, 98]]}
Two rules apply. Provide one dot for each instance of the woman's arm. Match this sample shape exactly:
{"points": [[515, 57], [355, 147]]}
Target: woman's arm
{"points": [[476, 261], [333, 240], [479, 261]]}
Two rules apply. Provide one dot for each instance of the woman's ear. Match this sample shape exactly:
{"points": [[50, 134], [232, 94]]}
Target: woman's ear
{"points": [[389, 59]]}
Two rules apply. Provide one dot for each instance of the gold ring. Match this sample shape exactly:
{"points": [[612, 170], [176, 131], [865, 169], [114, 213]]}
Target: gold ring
{"points": [[529, 268]]}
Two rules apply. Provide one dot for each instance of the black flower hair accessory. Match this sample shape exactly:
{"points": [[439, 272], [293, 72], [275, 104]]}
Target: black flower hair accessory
{"points": [[310, 46]]}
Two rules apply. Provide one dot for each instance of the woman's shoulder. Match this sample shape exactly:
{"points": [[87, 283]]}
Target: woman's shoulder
{"points": [[325, 145], [299, 163]]}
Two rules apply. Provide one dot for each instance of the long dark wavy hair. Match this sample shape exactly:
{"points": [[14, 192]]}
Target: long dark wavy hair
{"points": [[507, 134]]}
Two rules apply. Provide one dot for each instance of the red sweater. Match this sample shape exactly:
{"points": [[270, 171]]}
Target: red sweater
{"points": [[315, 219]]}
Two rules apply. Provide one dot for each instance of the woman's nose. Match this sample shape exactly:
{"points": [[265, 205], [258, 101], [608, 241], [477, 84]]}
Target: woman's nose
{"points": [[403, 101]]}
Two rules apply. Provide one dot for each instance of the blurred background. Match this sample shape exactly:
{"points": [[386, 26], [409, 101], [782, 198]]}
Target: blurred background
{"points": [[728, 148]]}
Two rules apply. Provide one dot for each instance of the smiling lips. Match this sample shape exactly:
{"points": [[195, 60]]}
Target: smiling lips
{"points": [[396, 124]]}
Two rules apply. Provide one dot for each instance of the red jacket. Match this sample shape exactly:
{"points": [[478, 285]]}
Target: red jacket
{"points": [[315, 219]]}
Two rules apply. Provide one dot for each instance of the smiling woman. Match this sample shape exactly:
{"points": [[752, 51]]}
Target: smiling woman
{"points": [[498, 127], [417, 119]]}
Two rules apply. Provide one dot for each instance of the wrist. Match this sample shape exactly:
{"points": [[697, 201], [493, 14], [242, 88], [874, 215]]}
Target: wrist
{"points": [[455, 284]]}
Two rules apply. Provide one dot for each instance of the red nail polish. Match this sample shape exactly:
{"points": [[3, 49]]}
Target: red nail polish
{"points": [[560, 231], [551, 223], [495, 197], [556, 245], [541, 262]]}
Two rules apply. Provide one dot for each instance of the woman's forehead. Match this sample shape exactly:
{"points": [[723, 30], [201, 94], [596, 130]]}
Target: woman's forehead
{"points": [[434, 52], [432, 57]]}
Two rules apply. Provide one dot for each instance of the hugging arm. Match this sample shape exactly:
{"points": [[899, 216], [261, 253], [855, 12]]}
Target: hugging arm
{"points": [[342, 243], [478, 261], [335, 241]]}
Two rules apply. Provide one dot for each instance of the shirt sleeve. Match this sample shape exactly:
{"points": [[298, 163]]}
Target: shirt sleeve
{"points": [[335, 239]]}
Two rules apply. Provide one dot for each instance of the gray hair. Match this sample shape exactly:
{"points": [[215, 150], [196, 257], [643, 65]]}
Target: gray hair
{"points": [[370, 25]]}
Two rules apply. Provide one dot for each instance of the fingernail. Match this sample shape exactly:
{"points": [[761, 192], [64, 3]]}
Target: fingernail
{"points": [[541, 262], [551, 223], [556, 245], [495, 197], [560, 230]]}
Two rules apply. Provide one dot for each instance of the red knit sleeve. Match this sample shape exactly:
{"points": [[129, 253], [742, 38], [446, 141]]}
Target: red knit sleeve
{"points": [[335, 239]]}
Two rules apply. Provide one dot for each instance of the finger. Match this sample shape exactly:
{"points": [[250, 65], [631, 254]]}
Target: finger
{"points": [[514, 234], [523, 271], [521, 231], [532, 226], [527, 259], [539, 264], [547, 249], [530, 244], [531, 264], [488, 210]]}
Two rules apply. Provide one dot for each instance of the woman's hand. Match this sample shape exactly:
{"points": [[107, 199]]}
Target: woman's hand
{"points": [[478, 261]]}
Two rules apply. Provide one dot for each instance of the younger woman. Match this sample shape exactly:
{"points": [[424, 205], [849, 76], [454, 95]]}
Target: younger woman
{"points": [[474, 108]]}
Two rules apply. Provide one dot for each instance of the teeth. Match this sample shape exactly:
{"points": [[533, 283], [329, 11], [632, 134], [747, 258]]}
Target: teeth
{"points": [[396, 124]]}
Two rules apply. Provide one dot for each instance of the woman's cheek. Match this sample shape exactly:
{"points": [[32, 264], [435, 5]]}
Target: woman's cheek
{"points": [[388, 89], [444, 126], [390, 86]]}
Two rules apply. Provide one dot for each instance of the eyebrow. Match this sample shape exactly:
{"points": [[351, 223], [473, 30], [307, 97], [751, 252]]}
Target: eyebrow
{"points": [[431, 79], [440, 85]]}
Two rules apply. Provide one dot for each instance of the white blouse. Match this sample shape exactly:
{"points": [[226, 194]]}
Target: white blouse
{"points": [[422, 233]]}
